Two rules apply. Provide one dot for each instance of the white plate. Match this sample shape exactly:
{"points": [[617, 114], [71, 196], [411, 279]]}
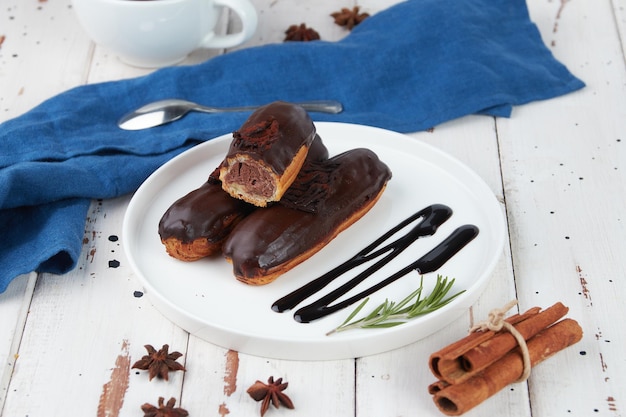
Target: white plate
{"points": [[205, 299]]}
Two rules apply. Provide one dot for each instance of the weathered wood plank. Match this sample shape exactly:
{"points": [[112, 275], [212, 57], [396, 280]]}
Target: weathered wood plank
{"points": [[86, 324], [43, 53], [14, 303], [563, 162], [40, 55]]}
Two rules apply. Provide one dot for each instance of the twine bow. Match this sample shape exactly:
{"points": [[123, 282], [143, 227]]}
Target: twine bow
{"points": [[496, 323]]}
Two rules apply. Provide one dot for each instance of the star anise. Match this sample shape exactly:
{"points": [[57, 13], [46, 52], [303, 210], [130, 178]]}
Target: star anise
{"points": [[349, 18], [167, 410], [272, 392], [159, 363], [301, 33]]}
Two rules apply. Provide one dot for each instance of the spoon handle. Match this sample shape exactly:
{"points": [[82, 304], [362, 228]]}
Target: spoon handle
{"points": [[322, 106]]}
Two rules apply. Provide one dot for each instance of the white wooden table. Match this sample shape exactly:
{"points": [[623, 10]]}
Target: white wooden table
{"points": [[558, 167]]}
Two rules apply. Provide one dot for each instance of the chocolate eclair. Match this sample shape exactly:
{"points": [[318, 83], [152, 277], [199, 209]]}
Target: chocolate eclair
{"points": [[267, 153], [196, 225], [271, 241]]}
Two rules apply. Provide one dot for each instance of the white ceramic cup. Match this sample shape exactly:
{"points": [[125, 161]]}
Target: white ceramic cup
{"points": [[158, 33]]}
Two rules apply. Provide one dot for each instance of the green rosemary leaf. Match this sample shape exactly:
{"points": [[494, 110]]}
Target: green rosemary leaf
{"points": [[383, 307], [415, 294], [411, 296], [356, 311], [383, 325], [390, 313]]}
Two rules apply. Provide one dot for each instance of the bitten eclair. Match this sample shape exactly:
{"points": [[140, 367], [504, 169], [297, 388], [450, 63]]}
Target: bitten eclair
{"points": [[271, 241], [267, 153], [196, 225]]}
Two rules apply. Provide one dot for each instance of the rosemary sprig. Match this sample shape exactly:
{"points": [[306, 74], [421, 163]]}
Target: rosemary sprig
{"points": [[390, 313]]}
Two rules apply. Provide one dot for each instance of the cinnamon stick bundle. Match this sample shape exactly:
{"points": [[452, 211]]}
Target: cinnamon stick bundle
{"points": [[474, 387], [478, 350]]}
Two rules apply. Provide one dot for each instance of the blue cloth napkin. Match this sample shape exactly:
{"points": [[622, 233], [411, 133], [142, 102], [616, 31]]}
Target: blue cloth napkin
{"points": [[408, 68]]}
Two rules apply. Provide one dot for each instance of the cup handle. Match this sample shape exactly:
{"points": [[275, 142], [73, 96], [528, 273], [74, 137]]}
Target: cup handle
{"points": [[249, 20]]}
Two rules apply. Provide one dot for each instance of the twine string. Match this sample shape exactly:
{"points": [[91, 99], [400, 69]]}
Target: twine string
{"points": [[496, 323]]}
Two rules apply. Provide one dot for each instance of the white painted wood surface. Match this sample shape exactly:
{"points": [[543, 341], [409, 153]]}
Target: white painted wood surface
{"points": [[558, 167]]}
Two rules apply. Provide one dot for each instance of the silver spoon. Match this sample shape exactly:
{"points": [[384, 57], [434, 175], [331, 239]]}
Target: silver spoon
{"points": [[166, 111]]}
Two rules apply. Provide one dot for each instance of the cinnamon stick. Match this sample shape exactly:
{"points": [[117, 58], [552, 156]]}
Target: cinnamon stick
{"points": [[440, 360], [456, 399], [437, 386], [460, 364]]}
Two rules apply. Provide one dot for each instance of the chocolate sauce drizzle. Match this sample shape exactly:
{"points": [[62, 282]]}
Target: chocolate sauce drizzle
{"points": [[432, 217]]}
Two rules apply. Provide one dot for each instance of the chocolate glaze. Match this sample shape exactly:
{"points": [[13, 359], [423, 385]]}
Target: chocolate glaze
{"points": [[430, 262], [270, 237], [430, 218], [303, 193], [317, 152], [273, 134], [207, 212], [211, 212]]}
